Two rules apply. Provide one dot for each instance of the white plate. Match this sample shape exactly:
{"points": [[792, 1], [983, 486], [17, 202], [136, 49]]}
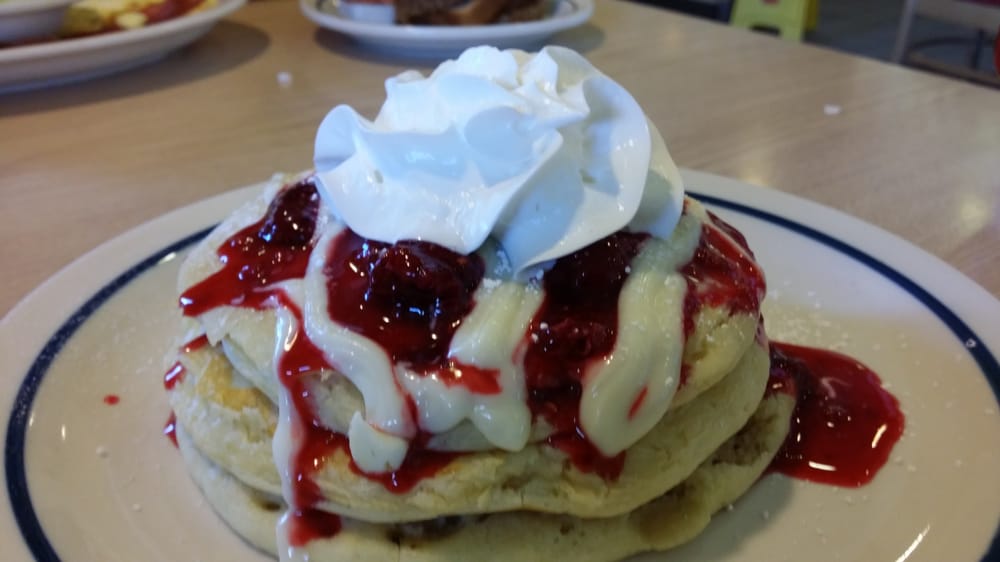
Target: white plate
{"points": [[92, 482], [24, 19], [441, 41], [70, 60]]}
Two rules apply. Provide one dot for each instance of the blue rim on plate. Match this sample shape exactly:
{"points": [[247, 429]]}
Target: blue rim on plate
{"points": [[17, 483]]}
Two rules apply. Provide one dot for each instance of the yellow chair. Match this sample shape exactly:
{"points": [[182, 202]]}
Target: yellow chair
{"points": [[789, 17]]}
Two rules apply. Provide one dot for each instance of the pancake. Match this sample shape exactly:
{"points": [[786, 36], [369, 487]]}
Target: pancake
{"points": [[663, 523]]}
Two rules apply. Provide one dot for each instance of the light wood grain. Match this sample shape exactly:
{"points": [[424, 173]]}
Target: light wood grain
{"points": [[916, 154]]}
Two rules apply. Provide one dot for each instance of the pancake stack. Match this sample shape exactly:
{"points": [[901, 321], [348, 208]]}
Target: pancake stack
{"points": [[243, 413]]}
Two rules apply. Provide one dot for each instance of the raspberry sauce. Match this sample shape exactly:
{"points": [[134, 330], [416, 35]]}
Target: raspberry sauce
{"points": [[844, 424], [308, 524], [426, 290], [722, 273], [410, 298], [637, 402], [317, 443], [576, 326], [273, 249], [577, 323], [195, 344], [170, 428], [174, 375], [418, 464]]}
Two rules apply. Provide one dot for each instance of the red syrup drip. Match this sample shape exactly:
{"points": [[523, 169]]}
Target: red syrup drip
{"points": [[575, 327], [477, 380], [300, 354], [174, 376], [274, 249], [111, 399], [409, 298], [195, 344], [318, 443], [637, 403], [844, 425], [170, 428], [722, 273], [685, 374], [309, 524], [418, 464]]}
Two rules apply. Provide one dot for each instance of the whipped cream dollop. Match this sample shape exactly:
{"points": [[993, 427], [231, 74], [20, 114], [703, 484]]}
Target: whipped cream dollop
{"points": [[541, 151]]}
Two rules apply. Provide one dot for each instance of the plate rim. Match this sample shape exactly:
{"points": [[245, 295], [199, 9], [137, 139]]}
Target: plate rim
{"points": [[198, 218], [11, 8]]}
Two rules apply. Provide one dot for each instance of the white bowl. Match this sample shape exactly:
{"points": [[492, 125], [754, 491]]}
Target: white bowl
{"points": [[29, 19]]}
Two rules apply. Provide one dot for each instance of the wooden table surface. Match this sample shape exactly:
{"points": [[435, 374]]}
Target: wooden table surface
{"points": [[915, 154]]}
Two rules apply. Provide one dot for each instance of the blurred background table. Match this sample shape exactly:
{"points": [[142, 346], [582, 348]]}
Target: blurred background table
{"points": [[918, 155]]}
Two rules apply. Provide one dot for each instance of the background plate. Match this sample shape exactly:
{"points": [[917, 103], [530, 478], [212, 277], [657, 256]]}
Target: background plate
{"points": [[443, 41], [90, 481], [70, 60]]}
